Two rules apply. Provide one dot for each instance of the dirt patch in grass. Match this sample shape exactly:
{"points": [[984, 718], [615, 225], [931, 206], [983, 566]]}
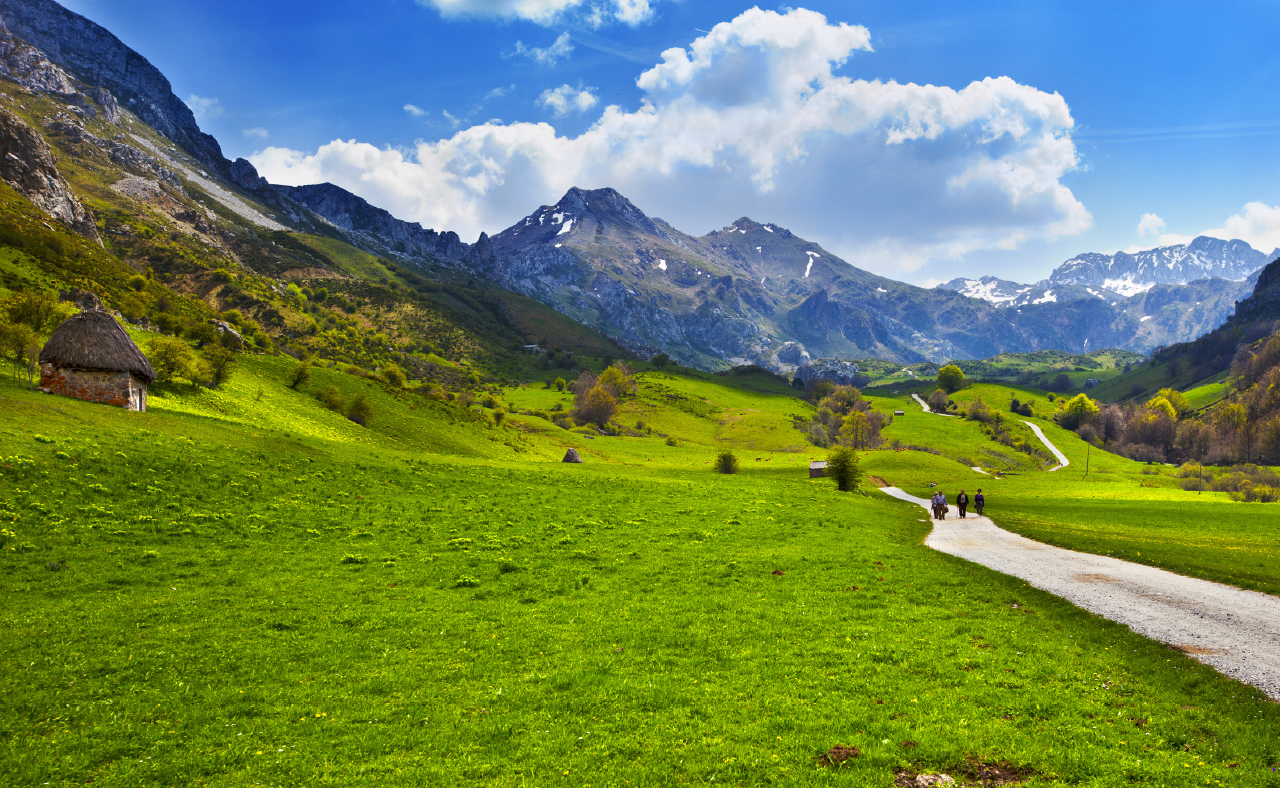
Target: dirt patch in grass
{"points": [[1192, 649], [971, 772], [838, 755], [877, 481]]}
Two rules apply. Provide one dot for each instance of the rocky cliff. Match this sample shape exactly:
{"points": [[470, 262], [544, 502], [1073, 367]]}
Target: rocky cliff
{"points": [[27, 164], [97, 58]]}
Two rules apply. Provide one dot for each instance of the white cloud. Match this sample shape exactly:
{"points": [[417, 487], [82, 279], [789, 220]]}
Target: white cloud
{"points": [[453, 120], [750, 119], [547, 56], [203, 108], [566, 99], [499, 92], [415, 110], [256, 133], [1258, 225], [549, 12], [1174, 239], [1150, 223]]}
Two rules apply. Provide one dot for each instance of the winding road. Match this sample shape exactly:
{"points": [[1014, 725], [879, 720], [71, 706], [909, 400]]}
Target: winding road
{"points": [[1062, 458], [1236, 632]]}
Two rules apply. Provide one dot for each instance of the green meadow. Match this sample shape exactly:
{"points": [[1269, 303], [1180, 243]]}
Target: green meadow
{"points": [[242, 587]]}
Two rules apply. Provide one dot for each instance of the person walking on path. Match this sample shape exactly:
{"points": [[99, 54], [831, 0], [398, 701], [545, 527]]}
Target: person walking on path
{"points": [[962, 503], [939, 501], [979, 502]]}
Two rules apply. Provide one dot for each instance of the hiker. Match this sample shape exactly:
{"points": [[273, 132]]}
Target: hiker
{"points": [[962, 502], [979, 501], [939, 505]]}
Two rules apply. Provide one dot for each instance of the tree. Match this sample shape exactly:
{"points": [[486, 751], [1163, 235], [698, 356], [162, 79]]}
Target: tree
{"points": [[1181, 405], [938, 401], [218, 364], [660, 360], [138, 282], [359, 410], [726, 461], [843, 468], [950, 378], [34, 310], [617, 380], [560, 384], [596, 407], [300, 376], [1077, 411], [1162, 405], [171, 358], [841, 400], [856, 432], [1061, 382], [202, 334]]}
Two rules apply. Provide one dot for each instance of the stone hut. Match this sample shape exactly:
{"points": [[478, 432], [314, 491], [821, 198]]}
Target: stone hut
{"points": [[817, 469], [91, 357]]}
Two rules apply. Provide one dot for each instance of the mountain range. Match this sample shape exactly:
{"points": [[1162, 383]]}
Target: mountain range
{"points": [[750, 292]]}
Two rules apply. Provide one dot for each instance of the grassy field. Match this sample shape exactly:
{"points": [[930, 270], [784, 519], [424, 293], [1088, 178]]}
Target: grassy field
{"points": [[233, 589]]}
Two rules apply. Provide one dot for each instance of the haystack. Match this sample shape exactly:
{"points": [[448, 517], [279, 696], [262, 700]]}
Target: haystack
{"points": [[571, 456], [91, 357]]}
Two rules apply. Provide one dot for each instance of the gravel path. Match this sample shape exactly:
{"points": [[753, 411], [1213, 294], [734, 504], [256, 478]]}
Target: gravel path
{"points": [[1062, 458], [925, 405], [1234, 631]]}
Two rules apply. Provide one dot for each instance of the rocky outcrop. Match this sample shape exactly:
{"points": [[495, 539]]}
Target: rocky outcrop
{"points": [[842, 373], [792, 353], [95, 57], [27, 164], [119, 153], [245, 175]]}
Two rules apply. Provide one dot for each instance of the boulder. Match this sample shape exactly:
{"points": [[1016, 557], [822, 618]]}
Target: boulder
{"points": [[571, 456], [793, 353]]}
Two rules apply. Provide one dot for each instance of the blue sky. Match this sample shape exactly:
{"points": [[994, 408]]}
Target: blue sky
{"points": [[867, 127]]}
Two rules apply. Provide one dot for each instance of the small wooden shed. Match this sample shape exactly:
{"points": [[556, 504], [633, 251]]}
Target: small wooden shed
{"points": [[91, 357], [817, 469]]}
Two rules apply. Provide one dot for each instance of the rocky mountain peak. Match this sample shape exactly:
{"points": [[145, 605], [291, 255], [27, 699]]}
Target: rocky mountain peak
{"points": [[97, 58]]}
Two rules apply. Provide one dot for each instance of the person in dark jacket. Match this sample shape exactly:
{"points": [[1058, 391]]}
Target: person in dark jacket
{"points": [[979, 502], [939, 501], [962, 502]]}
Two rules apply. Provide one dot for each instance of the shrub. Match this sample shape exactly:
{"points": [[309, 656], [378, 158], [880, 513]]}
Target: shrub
{"points": [[597, 407], [560, 384], [1078, 411], [359, 410], [726, 462], [300, 376], [498, 417], [660, 360], [671, 441], [331, 397], [843, 468], [171, 358], [393, 376], [938, 401], [138, 283]]}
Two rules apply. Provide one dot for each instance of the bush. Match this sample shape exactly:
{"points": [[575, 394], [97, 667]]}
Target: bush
{"points": [[660, 360], [938, 401], [671, 441], [360, 411], [393, 376], [300, 376], [843, 468], [726, 462], [138, 283], [331, 398], [171, 358]]}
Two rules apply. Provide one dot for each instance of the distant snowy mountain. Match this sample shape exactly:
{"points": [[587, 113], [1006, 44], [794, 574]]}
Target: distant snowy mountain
{"points": [[1129, 274], [1004, 293]]}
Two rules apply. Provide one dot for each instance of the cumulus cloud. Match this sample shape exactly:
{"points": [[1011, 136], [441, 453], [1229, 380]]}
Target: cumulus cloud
{"points": [[752, 119], [1150, 223], [203, 108], [415, 110], [566, 99], [256, 133], [1258, 225], [547, 56], [548, 12]]}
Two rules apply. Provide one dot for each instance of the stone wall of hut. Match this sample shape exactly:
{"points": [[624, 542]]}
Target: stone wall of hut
{"points": [[122, 389]]}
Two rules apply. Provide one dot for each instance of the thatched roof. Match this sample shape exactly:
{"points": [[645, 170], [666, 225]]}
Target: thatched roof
{"points": [[94, 340], [571, 456]]}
